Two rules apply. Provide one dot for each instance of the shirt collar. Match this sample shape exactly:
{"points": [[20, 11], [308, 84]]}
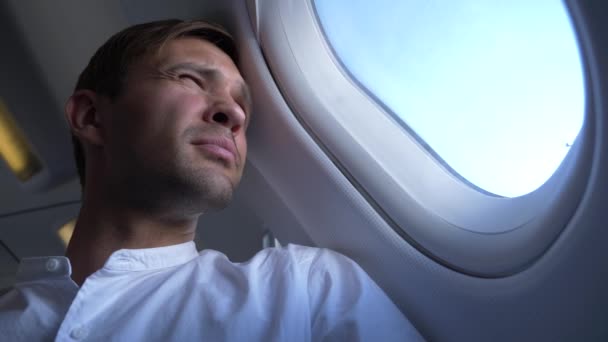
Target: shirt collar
{"points": [[59, 267], [151, 258]]}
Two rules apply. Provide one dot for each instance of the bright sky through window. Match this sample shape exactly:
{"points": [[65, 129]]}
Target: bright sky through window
{"points": [[495, 88]]}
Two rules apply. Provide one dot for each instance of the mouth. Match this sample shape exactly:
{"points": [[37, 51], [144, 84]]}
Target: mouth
{"points": [[219, 147]]}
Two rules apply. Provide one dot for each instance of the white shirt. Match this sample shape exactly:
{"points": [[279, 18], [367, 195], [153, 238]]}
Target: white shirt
{"points": [[174, 293]]}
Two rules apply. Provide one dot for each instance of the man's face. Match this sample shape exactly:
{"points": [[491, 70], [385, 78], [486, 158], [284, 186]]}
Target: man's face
{"points": [[176, 133]]}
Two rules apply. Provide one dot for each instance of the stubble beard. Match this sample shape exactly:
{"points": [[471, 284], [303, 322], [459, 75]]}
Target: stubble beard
{"points": [[177, 187]]}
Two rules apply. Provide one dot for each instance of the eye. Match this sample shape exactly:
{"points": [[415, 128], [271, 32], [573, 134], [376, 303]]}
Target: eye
{"points": [[193, 79]]}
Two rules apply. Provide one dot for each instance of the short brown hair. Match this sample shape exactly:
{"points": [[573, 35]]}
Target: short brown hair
{"points": [[109, 66]]}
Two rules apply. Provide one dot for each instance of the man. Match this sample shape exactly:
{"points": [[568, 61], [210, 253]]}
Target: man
{"points": [[159, 118]]}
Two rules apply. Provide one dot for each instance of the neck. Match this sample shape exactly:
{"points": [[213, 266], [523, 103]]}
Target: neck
{"points": [[102, 230]]}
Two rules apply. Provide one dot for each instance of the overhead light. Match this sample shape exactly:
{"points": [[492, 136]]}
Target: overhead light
{"points": [[15, 149], [66, 231]]}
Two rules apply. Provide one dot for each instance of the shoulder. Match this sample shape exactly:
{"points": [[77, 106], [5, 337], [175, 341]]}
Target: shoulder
{"points": [[301, 268], [344, 301], [327, 276], [322, 263], [310, 260]]}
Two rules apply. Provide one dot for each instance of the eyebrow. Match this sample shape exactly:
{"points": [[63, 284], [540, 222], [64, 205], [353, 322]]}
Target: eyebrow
{"points": [[214, 75]]}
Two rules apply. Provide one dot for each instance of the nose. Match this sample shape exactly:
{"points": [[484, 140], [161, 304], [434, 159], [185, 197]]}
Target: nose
{"points": [[228, 114]]}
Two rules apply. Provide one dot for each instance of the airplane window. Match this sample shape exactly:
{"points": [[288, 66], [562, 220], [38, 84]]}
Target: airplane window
{"points": [[494, 89]]}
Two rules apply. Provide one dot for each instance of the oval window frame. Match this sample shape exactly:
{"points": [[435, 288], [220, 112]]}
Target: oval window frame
{"points": [[489, 236]]}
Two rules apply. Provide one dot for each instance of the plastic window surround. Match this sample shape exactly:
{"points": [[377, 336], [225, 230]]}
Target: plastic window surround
{"points": [[448, 220]]}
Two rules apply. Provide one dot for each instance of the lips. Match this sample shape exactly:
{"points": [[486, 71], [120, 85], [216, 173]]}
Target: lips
{"points": [[220, 147]]}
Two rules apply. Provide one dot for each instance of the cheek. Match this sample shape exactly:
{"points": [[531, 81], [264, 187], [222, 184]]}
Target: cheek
{"points": [[166, 116]]}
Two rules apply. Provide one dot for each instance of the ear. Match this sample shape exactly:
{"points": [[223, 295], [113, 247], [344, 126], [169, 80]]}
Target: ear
{"points": [[81, 112]]}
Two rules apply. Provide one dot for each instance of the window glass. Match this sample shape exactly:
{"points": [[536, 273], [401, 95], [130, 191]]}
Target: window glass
{"points": [[494, 88]]}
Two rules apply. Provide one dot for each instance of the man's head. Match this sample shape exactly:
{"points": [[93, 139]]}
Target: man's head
{"points": [[159, 116]]}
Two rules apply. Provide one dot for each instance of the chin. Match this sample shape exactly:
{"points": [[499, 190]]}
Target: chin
{"points": [[215, 192]]}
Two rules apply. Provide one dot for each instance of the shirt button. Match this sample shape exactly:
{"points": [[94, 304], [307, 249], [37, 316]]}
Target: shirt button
{"points": [[79, 333], [52, 265]]}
